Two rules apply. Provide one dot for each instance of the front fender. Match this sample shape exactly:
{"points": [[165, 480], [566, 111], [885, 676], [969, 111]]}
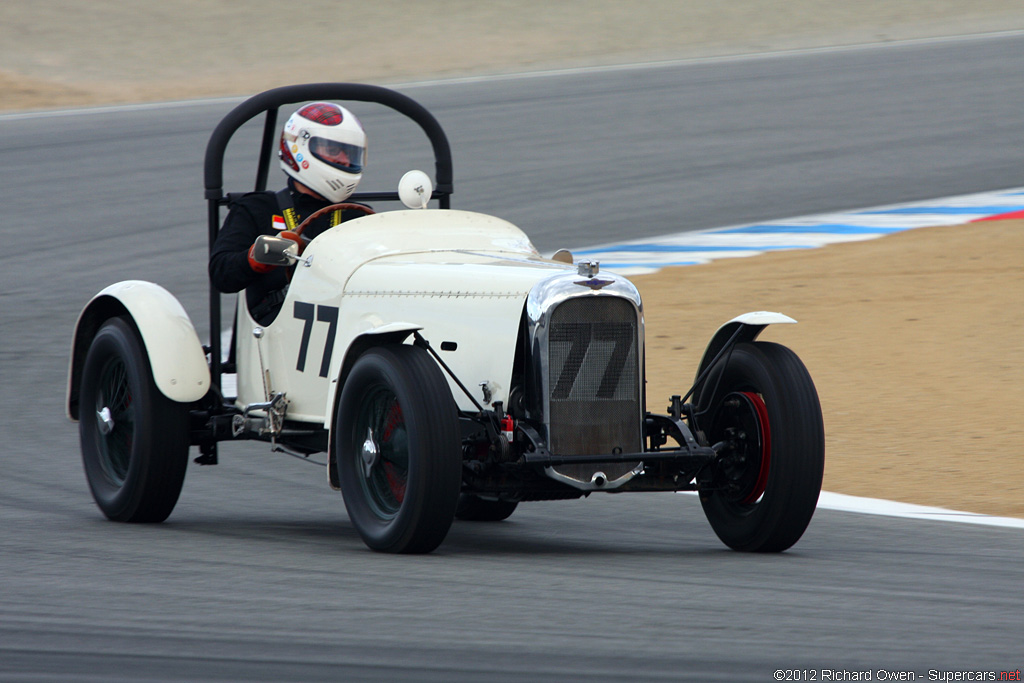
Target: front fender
{"points": [[391, 333], [176, 356], [746, 328]]}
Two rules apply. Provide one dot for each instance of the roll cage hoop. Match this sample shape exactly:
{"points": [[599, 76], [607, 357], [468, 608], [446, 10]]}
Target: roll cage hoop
{"points": [[269, 103]]}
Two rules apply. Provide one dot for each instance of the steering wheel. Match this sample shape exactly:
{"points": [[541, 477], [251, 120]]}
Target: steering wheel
{"points": [[333, 207]]}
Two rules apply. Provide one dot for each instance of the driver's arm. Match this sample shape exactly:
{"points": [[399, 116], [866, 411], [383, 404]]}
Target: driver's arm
{"points": [[229, 261]]}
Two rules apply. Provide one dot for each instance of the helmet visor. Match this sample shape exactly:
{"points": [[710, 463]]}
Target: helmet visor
{"points": [[340, 155]]}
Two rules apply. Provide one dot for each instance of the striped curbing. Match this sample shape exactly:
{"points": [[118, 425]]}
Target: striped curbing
{"points": [[648, 255]]}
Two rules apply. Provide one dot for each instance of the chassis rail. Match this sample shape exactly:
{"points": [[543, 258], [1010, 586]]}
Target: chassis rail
{"points": [[689, 455]]}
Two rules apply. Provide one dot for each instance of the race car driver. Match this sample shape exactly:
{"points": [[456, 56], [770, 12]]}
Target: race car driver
{"points": [[322, 150]]}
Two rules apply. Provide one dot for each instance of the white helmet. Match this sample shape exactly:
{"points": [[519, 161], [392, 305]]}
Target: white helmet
{"points": [[323, 146]]}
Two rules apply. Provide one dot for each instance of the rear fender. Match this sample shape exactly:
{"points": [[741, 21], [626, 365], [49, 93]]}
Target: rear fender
{"points": [[746, 328], [176, 356]]}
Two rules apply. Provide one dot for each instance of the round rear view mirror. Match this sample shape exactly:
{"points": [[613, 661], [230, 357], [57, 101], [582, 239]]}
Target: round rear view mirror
{"points": [[414, 189]]}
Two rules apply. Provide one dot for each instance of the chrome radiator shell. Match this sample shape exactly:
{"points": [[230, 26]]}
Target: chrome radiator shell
{"points": [[585, 383]]}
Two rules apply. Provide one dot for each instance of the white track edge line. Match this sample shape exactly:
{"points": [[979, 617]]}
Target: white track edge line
{"points": [[841, 502]]}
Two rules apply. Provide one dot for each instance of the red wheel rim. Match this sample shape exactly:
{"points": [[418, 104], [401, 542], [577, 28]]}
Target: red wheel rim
{"points": [[765, 439], [395, 478]]}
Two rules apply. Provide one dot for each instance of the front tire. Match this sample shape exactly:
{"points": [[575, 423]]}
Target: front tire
{"points": [[399, 453], [767, 479], [134, 439], [473, 508]]}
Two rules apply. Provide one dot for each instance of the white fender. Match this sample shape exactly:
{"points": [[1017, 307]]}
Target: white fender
{"points": [[749, 326], [342, 362], [762, 318], [176, 355]]}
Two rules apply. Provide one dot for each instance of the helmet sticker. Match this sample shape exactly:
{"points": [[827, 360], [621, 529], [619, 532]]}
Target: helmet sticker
{"points": [[286, 156]]}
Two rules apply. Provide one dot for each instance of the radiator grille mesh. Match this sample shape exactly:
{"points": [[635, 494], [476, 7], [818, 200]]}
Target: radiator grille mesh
{"points": [[594, 377]]}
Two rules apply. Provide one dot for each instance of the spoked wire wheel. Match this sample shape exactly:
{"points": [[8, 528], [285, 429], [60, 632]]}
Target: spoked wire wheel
{"points": [[115, 420], [742, 422], [398, 450], [384, 454], [763, 413], [134, 439]]}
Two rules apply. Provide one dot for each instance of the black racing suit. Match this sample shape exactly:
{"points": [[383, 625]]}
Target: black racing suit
{"points": [[249, 217]]}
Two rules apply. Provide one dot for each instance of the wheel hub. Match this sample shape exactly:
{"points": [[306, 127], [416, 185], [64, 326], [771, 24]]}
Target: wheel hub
{"points": [[743, 426], [370, 453], [105, 420]]}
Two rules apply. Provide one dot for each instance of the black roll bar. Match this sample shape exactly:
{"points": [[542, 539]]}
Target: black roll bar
{"points": [[269, 102]]}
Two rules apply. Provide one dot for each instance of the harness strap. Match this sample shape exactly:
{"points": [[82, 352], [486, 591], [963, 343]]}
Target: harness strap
{"points": [[270, 303], [291, 219], [287, 207]]}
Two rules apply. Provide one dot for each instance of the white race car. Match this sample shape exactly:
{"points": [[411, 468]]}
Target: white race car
{"points": [[445, 367]]}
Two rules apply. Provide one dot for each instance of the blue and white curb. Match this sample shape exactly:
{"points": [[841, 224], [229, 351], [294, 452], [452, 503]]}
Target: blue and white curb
{"points": [[808, 232]]}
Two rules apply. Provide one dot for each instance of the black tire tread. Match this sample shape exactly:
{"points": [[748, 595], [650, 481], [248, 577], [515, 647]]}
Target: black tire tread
{"points": [[798, 451], [473, 508], [160, 456], [430, 412]]}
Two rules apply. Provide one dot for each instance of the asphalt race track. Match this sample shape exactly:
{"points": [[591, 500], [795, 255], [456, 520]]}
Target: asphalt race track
{"points": [[258, 574]]}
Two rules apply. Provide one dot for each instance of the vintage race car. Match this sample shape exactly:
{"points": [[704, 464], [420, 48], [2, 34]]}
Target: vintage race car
{"points": [[446, 368]]}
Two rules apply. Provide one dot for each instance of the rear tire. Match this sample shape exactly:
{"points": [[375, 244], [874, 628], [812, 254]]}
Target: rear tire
{"points": [[398, 450], [134, 439], [767, 481], [473, 508]]}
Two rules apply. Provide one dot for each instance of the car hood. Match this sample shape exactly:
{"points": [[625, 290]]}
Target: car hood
{"points": [[441, 252], [451, 274]]}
